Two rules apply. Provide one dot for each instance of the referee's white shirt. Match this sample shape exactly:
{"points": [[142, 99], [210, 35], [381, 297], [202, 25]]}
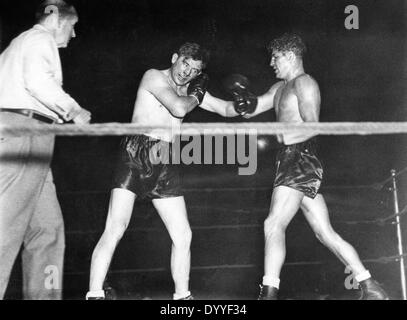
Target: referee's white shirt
{"points": [[31, 75]]}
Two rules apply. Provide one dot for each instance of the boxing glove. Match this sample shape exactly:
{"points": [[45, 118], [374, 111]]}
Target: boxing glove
{"points": [[245, 102], [198, 86]]}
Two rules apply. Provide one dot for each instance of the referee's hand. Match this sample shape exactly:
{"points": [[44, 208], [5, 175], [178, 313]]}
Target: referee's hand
{"points": [[83, 117]]}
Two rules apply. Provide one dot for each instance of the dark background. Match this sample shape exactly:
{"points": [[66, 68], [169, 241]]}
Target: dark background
{"points": [[362, 76]]}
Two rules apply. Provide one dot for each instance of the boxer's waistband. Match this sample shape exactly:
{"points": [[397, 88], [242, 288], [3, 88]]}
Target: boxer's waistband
{"points": [[311, 144]]}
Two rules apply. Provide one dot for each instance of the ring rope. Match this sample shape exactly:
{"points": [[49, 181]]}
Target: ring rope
{"points": [[381, 222], [228, 189], [381, 260], [263, 128]]}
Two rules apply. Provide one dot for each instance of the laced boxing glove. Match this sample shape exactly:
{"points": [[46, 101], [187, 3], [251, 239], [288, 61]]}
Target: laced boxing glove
{"points": [[198, 86], [245, 102]]}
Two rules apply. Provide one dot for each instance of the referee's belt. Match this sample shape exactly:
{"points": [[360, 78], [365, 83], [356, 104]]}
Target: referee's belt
{"points": [[32, 114]]}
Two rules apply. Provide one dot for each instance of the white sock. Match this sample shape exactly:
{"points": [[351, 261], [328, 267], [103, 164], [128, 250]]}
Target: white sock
{"points": [[95, 294], [179, 296], [363, 276], [271, 282]]}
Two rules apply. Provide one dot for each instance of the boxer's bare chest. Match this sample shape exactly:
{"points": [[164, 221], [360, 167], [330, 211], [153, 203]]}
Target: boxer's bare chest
{"points": [[286, 103]]}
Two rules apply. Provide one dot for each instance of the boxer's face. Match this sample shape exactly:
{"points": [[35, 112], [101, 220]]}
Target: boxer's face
{"points": [[281, 63], [184, 69], [65, 32]]}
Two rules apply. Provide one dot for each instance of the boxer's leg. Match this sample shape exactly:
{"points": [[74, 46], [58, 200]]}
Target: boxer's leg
{"points": [[173, 212], [316, 213], [285, 203], [118, 218]]}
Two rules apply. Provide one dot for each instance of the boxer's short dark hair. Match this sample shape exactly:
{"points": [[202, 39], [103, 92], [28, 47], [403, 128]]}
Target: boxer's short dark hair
{"points": [[288, 42], [195, 51], [65, 11]]}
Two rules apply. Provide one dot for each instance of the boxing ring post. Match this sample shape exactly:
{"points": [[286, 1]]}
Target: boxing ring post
{"points": [[399, 236]]}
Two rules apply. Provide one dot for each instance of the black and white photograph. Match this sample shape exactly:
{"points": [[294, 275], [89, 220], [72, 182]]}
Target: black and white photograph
{"points": [[203, 150]]}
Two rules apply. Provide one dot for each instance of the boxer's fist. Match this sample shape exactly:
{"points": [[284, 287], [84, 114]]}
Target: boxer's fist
{"points": [[238, 85], [198, 86], [245, 104]]}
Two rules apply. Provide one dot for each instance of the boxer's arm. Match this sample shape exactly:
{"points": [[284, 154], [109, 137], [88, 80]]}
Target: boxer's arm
{"points": [[219, 106], [309, 98], [265, 101], [157, 84]]}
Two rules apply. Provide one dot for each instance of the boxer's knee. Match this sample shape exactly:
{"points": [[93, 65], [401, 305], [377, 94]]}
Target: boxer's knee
{"points": [[328, 238], [115, 229], [183, 238], [274, 227]]}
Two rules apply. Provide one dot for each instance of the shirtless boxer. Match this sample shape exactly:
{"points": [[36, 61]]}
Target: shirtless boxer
{"points": [[299, 173], [164, 98]]}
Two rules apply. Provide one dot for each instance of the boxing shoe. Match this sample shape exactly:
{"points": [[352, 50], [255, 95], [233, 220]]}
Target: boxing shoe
{"points": [[95, 298], [371, 290], [96, 295], [268, 293], [184, 296], [108, 293]]}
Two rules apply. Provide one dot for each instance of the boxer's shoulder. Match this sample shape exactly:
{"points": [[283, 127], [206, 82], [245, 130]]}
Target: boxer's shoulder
{"points": [[304, 80], [153, 74], [276, 86], [154, 77]]}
